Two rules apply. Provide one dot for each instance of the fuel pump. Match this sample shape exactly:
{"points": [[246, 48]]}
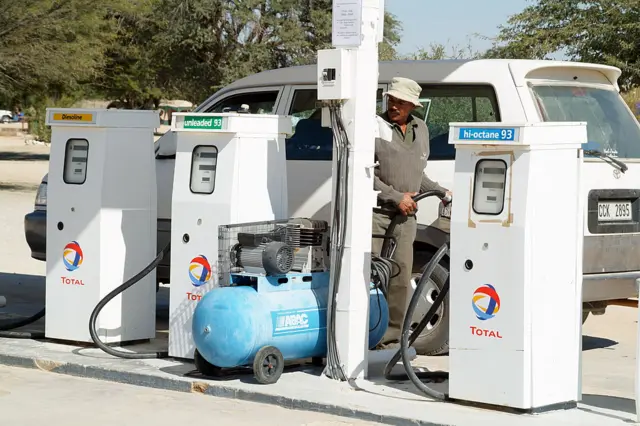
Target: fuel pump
{"points": [[101, 223], [516, 268]]}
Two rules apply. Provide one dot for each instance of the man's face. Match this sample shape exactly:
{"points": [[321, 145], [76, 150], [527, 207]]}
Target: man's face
{"points": [[398, 110]]}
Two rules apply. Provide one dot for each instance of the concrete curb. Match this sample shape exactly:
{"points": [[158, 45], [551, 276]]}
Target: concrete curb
{"points": [[205, 388]]}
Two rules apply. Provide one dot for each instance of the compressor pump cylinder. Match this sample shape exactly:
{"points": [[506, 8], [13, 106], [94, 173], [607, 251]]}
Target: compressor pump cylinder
{"points": [[289, 312]]}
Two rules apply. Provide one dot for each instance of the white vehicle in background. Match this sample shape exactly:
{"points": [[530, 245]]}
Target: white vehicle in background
{"points": [[453, 91], [5, 116]]}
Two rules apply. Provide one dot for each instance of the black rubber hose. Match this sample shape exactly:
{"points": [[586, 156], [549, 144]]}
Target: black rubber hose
{"points": [[397, 217], [406, 340], [96, 311], [4, 328]]}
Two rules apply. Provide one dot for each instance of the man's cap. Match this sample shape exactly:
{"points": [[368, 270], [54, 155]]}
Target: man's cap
{"points": [[405, 89]]}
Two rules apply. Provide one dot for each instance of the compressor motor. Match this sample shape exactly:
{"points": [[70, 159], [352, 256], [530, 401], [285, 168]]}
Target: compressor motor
{"points": [[275, 247]]}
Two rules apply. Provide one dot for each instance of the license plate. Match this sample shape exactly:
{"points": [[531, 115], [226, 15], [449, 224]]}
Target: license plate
{"points": [[614, 211]]}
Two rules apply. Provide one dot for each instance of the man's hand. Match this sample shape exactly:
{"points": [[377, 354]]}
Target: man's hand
{"points": [[407, 205]]}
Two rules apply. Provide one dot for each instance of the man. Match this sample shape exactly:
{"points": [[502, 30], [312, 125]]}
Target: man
{"points": [[402, 150]]}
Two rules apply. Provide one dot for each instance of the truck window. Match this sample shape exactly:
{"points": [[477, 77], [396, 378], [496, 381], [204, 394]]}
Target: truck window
{"points": [[258, 102], [611, 128], [454, 103], [310, 141]]}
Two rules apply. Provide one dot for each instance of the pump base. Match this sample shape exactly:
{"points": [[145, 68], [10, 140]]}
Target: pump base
{"points": [[568, 405]]}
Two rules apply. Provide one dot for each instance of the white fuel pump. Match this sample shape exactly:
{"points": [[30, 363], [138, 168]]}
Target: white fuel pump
{"points": [[230, 168], [516, 264], [101, 223]]}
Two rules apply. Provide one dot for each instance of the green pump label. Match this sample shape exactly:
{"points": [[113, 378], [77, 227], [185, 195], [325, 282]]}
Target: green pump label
{"points": [[202, 123]]}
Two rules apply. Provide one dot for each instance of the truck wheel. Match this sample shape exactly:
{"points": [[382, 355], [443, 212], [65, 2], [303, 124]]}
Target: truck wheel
{"points": [[5, 119], [585, 315], [434, 339]]}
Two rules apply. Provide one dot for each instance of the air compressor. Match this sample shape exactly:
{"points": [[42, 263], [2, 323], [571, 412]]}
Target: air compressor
{"points": [[274, 307]]}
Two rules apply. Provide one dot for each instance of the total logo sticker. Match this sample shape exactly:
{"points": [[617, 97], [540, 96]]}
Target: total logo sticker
{"points": [[200, 271], [72, 256], [485, 302]]}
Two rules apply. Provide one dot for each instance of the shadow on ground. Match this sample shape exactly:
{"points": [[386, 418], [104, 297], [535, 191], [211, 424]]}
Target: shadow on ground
{"points": [[25, 296], [591, 342], [23, 156], [18, 187]]}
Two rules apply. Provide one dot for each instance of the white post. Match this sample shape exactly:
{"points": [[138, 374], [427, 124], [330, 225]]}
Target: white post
{"points": [[357, 26], [638, 359]]}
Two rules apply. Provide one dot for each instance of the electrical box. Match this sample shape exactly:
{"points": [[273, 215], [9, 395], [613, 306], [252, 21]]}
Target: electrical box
{"points": [[334, 74], [516, 264], [101, 223], [230, 168]]}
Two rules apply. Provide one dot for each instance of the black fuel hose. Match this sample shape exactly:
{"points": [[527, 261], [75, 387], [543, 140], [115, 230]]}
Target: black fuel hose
{"points": [[96, 311], [12, 325], [408, 337]]}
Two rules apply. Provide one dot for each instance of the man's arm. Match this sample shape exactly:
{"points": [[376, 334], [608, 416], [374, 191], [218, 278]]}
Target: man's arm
{"points": [[428, 185], [387, 192]]}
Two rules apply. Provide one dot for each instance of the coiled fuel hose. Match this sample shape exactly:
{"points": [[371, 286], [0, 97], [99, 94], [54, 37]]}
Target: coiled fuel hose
{"points": [[96, 311], [408, 337]]}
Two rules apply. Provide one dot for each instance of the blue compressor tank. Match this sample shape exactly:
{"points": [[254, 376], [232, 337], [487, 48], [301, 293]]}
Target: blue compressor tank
{"points": [[231, 324]]}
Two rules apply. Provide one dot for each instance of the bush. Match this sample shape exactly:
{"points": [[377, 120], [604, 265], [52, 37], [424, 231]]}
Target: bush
{"points": [[36, 115]]}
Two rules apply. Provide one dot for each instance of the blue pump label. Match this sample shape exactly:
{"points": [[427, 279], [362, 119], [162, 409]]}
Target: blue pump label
{"points": [[488, 134], [297, 321]]}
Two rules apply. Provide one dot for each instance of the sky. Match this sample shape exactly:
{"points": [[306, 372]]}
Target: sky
{"points": [[451, 22]]}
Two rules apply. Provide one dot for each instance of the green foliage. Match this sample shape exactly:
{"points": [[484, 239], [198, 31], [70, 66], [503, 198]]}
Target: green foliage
{"points": [[51, 46], [36, 114], [138, 52], [598, 31], [439, 51], [129, 73]]}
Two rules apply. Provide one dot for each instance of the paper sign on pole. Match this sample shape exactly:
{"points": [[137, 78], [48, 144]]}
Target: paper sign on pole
{"points": [[347, 23]]}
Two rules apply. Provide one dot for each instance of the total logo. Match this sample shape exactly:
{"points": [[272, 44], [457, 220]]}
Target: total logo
{"points": [[72, 256], [199, 271], [486, 304]]}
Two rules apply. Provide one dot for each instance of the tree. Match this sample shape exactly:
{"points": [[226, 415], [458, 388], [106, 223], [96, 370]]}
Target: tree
{"points": [[51, 46], [203, 45], [439, 51], [129, 74], [598, 31]]}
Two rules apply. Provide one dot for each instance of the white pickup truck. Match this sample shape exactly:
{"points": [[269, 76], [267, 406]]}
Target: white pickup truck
{"points": [[453, 91]]}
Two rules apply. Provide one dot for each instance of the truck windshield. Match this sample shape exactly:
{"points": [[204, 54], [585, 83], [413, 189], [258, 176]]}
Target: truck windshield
{"points": [[611, 128]]}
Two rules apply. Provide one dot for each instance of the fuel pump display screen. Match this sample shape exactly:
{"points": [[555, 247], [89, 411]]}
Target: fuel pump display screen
{"points": [[75, 161], [489, 187], [203, 169]]}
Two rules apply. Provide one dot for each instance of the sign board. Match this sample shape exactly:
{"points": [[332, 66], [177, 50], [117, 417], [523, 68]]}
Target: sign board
{"points": [[71, 117], [347, 23], [487, 134], [202, 123]]}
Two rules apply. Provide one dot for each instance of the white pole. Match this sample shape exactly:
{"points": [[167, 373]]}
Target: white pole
{"points": [[356, 25], [638, 358]]}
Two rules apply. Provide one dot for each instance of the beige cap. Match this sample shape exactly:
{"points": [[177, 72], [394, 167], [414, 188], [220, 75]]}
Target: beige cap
{"points": [[405, 89]]}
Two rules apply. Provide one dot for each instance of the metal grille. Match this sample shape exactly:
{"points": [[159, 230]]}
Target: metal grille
{"points": [[307, 237], [228, 238]]}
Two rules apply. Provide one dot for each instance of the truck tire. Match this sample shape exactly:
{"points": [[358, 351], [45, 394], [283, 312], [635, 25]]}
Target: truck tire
{"points": [[5, 119], [434, 339]]}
